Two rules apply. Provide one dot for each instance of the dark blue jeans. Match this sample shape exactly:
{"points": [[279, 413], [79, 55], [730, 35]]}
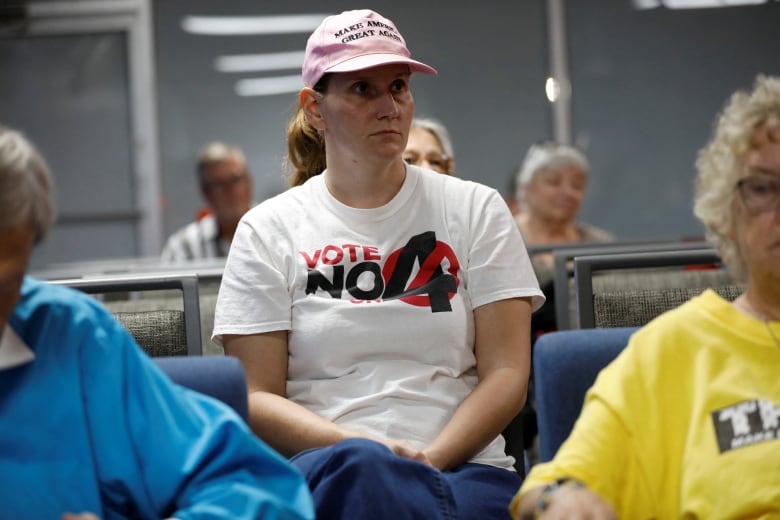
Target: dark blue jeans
{"points": [[362, 479]]}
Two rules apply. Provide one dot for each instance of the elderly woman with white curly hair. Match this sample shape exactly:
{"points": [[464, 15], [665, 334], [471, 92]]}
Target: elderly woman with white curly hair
{"points": [[685, 423]]}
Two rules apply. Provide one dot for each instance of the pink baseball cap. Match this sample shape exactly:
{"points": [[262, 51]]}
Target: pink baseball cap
{"points": [[355, 40]]}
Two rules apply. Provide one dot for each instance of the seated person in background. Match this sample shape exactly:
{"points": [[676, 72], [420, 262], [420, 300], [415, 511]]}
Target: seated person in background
{"points": [[89, 426], [382, 312], [551, 185], [226, 185], [429, 146], [684, 423]]}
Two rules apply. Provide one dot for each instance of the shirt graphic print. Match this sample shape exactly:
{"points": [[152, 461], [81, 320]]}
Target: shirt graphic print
{"points": [[433, 284]]}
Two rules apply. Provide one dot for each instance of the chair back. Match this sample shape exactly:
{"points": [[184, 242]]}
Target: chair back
{"points": [[221, 377], [634, 308], [158, 332], [566, 364], [563, 285], [159, 328], [657, 263]]}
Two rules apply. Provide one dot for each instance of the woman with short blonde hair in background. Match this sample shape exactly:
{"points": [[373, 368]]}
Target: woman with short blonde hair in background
{"points": [[429, 146], [551, 186]]}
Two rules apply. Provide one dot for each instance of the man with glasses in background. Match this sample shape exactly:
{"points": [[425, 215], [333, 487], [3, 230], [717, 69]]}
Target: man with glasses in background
{"points": [[226, 186]]}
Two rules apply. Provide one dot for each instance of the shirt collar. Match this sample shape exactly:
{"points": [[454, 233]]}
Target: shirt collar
{"points": [[13, 350]]}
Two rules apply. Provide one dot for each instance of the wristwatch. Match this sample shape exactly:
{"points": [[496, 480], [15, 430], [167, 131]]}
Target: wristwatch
{"points": [[544, 499]]}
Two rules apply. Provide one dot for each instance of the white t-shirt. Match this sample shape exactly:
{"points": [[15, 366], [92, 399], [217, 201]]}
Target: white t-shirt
{"points": [[378, 301]]}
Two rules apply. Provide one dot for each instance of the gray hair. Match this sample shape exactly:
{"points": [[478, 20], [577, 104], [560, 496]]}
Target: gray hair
{"points": [[25, 185], [719, 163], [439, 131], [547, 155], [217, 151]]}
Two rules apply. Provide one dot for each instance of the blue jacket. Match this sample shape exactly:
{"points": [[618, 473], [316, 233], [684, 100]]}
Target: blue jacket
{"points": [[91, 424]]}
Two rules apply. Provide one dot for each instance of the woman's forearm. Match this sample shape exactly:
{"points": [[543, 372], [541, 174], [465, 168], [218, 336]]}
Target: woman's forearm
{"points": [[482, 416], [290, 428]]}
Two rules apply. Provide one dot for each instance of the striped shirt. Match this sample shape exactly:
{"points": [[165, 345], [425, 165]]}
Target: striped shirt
{"points": [[197, 240]]}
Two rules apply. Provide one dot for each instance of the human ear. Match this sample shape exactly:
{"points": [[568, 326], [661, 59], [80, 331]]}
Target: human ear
{"points": [[310, 103]]}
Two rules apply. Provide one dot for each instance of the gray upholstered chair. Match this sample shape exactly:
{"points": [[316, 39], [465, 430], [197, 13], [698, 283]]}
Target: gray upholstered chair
{"points": [[166, 326], [159, 332], [634, 308], [639, 286], [563, 256], [147, 301]]}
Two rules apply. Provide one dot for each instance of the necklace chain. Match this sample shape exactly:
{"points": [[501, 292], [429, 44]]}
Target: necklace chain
{"points": [[748, 308]]}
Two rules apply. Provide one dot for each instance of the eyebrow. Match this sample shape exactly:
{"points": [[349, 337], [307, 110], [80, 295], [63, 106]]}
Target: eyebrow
{"points": [[758, 171]]}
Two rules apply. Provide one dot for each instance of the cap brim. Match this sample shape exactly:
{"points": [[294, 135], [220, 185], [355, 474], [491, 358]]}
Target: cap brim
{"points": [[366, 61]]}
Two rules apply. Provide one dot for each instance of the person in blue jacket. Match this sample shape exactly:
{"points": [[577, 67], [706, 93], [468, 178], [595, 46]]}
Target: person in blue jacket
{"points": [[89, 426]]}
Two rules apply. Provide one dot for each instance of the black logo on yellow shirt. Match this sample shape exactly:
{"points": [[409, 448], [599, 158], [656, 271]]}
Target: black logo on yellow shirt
{"points": [[746, 423]]}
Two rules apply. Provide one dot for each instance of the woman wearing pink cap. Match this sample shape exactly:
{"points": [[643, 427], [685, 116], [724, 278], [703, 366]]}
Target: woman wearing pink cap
{"points": [[382, 310]]}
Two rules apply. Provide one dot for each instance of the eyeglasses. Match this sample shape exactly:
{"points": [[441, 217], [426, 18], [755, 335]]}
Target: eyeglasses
{"points": [[438, 162], [760, 193], [226, 184]]}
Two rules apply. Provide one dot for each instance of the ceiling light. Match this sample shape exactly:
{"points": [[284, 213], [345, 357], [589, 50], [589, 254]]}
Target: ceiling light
{"points": [[692, 4], [703, 4], [259, 62], [269, 86], [646, 4], [552, 89], [235, 25]]}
